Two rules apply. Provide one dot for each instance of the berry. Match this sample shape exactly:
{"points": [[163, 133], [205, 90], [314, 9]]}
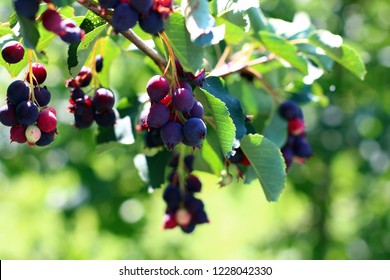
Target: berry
{"points": [[18, 134], [290, 110], [197, 111], [12, 52], [42, 96], [188, 228], [47, 121], [26, 113], [237, 156], [158, 115], [77, 93], [33, 134], [152, 23], [124, 17], [183, 100], [172, 196], [169, 221], [84, 77], [296, 126], [171, 134], [51, 20], [288, 156], [7, 115], [98, 63], [193, 184], [27, 8], [194, 129], [46, 139], [108, 4], [192, 143], [189, 162], [39, 72], [302, 148], [83, 121], [106, 118], [142, 6], [69, 32], [17, 92], [83, 106], [182, 217], [103, 99], [157, 88], [185, 85]]}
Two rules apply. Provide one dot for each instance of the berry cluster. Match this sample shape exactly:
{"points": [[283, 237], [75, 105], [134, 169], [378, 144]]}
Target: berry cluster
{"points": [[296, 147], [27, 111], [175, 112], [149, 13], [67, 29], [86, 109], [183, 208]]}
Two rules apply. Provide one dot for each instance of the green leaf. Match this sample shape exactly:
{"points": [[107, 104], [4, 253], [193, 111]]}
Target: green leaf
{"points": [[156, 172], [5, 29], [267, 162], [276, 130], [340, 52], [217, 87], [121, 132], [284, 49], [62, 3], [29, 31], [217, 115], [189, 54], [109, 50]]}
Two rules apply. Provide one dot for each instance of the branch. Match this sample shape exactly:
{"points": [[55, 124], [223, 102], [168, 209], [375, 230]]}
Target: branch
{"points": [[129, 34]]}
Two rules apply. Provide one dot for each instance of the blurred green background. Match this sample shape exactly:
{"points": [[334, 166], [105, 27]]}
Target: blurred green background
{"points": [[69, 201]]}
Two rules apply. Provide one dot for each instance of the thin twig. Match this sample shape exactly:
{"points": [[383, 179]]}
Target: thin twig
{"points": [[129, 34]]}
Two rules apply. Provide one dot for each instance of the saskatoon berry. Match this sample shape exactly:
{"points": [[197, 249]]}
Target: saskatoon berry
{"points": [[200, 218], [47, 121], [174, 161], [191, 143], [237, 156], [17, 92], [51, 20], [302, 148], [46, 139], [103, 99], [183, 100], [99, 63], [157, 88], [83, 106], [197, 111], [171, 134], [108, 4], [296, 126], [12, 52], [84, 77], [33, 133], [18, 134], [69, 32], [183, 218], [77, 93], [288, 156], [83, 121], [27, 8], [106, 118], [189, 162], [142, 6], [185, 85], [192, 204], [26, 113], [124, 17], [169, 221], [7, 115], [152, 23], [158, 115], [42, 96], [188, 228], [194, 129], [290, 110], [39, 72], [172, 196], [193, 184]]}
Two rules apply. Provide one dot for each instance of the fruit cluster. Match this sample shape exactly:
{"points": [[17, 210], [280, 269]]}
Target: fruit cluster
{"points": [[86, 109], [67, 29], [175, 112], [183, 208], [149, 13], [27, 111], [296, 147]]}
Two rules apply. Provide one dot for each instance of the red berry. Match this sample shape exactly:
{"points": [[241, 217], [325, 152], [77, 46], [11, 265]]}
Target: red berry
{"points": [[12, 52], [51, 20], [47, 121], [39, 72], [18, 134], [296, 126]]}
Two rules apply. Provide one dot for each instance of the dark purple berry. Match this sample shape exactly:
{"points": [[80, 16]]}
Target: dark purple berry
{"points": [[237, 156], [289, 110], [157, 88], [26, 113], [183, 100], [193, 184], [83, 121], [197, 111], [106, 118], [142, 6], [98, 63], [171, 134], [188, 228], [27, 8], [84, 77], [39, 74], [7, 115], [158, 115], [103, 99], [42, 96], [288, 156], [77, 93], [83, 106], [109, 4], [51, 20], [69, 32], [46, 139], [152, 23], [172, 196], [18, 134], [174, 161], [194, 129], [192, 143], [302, 148], [12, 52], [124, 17], [17, 92], [189, 162]]}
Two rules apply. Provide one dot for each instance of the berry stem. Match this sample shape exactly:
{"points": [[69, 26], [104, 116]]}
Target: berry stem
{"points": [[172, 58], [181, 167]]}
